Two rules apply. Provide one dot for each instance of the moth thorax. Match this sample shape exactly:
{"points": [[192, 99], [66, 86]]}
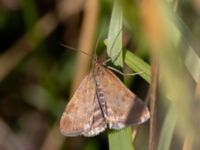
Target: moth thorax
{"points": [[98, 70]]}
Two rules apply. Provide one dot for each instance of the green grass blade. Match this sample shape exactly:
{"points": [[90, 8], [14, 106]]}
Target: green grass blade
{"points": [[118, 140], [138, 65], [114, 47], [168, 129]]}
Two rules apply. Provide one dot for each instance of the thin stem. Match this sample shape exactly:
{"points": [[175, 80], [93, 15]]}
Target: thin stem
{"points": [[124, 74]]}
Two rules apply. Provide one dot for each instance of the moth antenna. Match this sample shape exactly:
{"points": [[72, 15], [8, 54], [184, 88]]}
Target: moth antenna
{"points": [[106, 61], [110, 59], [125, 74], [74, 49]]}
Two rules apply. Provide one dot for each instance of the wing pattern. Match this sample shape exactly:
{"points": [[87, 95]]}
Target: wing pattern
{"points": [[123, 107], [82, 116]]}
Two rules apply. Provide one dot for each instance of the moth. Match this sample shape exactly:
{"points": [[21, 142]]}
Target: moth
{"points": [[101, 101]]}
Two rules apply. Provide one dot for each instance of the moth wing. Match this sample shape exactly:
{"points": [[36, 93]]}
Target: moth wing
{"points": [[98, 124], [78, 117], [123, 107]]}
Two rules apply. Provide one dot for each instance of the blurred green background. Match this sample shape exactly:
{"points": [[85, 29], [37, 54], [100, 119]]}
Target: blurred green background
{"points": [[38, 75]]}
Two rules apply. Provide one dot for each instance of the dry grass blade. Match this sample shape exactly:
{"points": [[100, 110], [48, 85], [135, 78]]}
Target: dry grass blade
{"points": [[86, 40], [187, 145], [54, 139], [153, 99], [85, 44]]}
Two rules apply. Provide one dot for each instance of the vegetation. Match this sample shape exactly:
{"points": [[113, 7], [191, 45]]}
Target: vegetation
{"points": [[38, 75]]}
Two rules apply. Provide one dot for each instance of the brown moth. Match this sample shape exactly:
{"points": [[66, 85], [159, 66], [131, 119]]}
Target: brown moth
{"points": [[101, 101]]}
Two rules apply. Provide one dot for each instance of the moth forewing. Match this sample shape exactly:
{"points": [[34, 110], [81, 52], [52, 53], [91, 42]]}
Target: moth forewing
{"points": [[77, 118], [123, 107], [101, 100]]}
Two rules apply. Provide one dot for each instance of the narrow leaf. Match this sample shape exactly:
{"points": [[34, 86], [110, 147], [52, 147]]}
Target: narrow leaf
{"points": [[118, 140]]}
